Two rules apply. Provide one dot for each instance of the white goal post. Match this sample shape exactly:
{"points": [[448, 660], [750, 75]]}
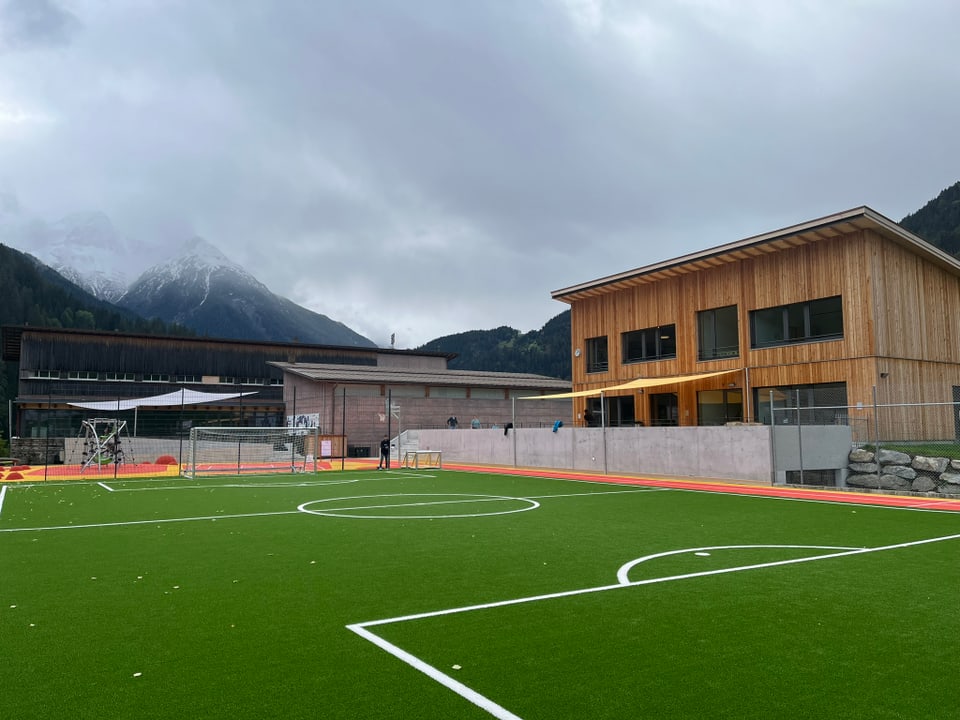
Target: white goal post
{"points": [[422, 459], [250, 450]]}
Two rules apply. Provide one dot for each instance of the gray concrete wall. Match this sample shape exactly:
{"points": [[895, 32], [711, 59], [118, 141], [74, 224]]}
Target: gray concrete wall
{"points": [[740, 452], [812, 447]]}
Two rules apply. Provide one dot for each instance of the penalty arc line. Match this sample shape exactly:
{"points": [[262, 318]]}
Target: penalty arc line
{"points": [[501, 713]]}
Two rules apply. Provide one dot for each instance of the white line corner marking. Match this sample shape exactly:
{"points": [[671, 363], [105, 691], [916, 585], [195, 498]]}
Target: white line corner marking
{"points": [[3, 494], [623, 581]]}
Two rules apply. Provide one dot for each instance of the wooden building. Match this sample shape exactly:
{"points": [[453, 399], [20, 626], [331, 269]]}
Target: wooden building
{"points": [[833, 317], [272, 384]]}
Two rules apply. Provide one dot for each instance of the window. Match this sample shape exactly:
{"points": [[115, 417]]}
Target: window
{"points": [[119, 377], [819, 404], [187, 378], [156, 377], [800, 322], [718, 334], [597, 354], [81, 375], [657, 343], [47, 374], [718, 407]]}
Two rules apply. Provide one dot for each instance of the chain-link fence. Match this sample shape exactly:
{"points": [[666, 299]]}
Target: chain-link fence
{"points": [[61, 435], [910, 447]]}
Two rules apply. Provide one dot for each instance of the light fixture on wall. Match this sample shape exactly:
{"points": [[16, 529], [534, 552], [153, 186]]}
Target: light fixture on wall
{"points": [[576, 353]]}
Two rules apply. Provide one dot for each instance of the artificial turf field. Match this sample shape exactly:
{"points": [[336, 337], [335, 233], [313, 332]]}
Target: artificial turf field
{"points": [[447, 594]]}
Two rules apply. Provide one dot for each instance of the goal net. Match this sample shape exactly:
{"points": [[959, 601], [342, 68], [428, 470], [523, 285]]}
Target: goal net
{"points": [[250, 450], [421, 459]]}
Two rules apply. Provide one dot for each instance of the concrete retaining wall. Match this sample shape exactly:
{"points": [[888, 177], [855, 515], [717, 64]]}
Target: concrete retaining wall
{"points": [[740, 452]]}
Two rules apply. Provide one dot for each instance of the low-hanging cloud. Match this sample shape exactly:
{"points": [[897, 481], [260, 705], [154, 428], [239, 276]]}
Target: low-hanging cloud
{"points": [[429, 168]]}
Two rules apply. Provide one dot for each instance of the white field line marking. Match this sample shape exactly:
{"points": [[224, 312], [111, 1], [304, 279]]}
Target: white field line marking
{"points": [[149, 522], [850, 503], [713, 491], [244, 486], [464, 499], [931, 504], [3, 494], [533, 505], [106, 487], [624, 572], [456, 686], [499, 712]]}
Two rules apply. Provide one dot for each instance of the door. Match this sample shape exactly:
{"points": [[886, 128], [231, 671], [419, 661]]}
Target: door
{"points": [[664, 409]]}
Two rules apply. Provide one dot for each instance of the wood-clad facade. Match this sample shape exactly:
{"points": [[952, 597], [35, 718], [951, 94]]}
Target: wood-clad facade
{"points": [[870, 314]]}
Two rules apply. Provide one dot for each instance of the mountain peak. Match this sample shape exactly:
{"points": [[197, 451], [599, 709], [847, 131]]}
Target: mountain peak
{"points": [[198, 249]]}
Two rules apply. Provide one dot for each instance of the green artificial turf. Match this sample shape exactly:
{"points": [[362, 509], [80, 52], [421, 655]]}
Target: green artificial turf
{"points": [[220, 599]]}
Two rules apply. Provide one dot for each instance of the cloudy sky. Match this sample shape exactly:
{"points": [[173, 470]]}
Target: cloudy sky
{"points": [[426, 167]]}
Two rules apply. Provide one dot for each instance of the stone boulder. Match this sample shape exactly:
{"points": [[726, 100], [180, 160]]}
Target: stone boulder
{"points": [[901, 471], [862, 481], [930, 464], [951, 483], [894, 482], [893, 457]]}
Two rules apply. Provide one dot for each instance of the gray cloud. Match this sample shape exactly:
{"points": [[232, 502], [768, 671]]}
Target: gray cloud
{"points": [[35, 23], [427, 168]]}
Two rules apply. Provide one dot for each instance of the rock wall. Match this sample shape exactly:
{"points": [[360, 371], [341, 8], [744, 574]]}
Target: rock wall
{"points": [[893, 470], [37, 451]]}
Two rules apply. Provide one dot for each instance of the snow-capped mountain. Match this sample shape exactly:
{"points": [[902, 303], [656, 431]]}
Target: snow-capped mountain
{"points": [[83, 247], [204, 290], [199, 288]]}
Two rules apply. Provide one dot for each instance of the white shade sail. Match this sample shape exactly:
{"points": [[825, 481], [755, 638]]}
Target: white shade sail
{"points": [[170, 399]]}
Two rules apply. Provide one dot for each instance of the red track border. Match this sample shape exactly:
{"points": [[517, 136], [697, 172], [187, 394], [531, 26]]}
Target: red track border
{"points": [[942, 504]]}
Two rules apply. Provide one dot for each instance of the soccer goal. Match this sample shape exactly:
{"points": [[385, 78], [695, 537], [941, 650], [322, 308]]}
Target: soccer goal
{"points": [[250, 450], [421, 459]]}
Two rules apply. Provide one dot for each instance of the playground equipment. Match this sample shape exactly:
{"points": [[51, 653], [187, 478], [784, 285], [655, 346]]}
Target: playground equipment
{"points": [[102, 441]]}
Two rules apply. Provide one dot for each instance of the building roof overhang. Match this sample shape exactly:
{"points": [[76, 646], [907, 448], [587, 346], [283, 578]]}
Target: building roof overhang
{"points": [[12, 335], [371, 375], [831, 226]]}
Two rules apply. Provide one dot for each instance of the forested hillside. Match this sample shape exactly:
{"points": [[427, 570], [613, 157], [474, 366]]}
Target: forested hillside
{"points": [[33, 294], [938, 222], [504, 349]]}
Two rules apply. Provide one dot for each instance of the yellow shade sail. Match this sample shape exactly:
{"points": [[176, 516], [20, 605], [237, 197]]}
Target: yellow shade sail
{"points": [[632, 385]]}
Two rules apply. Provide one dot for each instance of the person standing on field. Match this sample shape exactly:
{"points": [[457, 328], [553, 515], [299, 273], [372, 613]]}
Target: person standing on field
{"points": [[384, 454]]}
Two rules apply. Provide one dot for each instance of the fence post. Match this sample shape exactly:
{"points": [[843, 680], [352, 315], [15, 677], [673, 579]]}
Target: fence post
{"points": [[773, 441], [799, 436], [876, 432]]}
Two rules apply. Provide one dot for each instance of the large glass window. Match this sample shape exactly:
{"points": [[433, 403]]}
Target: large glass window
{"points": [[718, 333], [820, 404], [800, 322], [656, 343], [597, 358], [718, 407]]}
